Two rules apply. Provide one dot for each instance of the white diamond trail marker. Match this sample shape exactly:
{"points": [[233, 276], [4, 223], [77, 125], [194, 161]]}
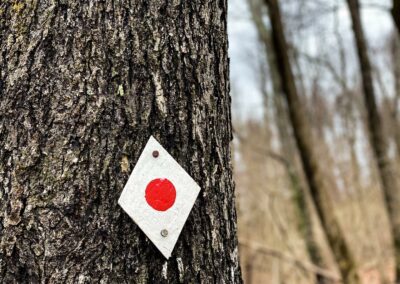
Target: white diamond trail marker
{"points": [[159, 196]]}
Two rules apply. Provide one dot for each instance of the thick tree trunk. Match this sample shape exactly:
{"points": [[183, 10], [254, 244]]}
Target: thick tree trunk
{"points": [[288, 146], [82, 87], [302, 131], [378, 139]]}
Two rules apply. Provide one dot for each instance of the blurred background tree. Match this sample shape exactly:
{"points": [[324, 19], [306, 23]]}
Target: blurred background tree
{"points": [[317, 139]]}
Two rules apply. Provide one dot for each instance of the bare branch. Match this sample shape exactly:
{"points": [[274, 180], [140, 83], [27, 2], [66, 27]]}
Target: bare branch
{"points": [[302, 264]]}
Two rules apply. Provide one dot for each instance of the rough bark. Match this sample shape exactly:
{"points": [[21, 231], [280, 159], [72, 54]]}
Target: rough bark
{"points": [[83, 85], [378, 138], [288, 150], [396, 14], [303, 135]]}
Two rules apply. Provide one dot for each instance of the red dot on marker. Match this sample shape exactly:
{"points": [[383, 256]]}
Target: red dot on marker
{"points": [[160, 194]]}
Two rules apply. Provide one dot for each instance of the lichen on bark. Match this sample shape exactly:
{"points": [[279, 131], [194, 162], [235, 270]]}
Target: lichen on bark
{"points": [[68, 142]]}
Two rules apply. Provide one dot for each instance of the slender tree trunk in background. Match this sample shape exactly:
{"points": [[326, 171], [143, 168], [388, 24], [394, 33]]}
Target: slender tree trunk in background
{"points": [[302, 131], [396, 14], [82, 87], [350, 120], [287, 144], [396, 72], [378, 138]]}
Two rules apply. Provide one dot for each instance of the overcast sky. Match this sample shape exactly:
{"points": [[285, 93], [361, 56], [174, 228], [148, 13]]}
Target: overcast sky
{"points": [[314, 36]]}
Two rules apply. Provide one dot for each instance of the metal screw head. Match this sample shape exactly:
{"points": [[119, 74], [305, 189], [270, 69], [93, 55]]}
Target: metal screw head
{"points": [[156, 154], [164, 233]]}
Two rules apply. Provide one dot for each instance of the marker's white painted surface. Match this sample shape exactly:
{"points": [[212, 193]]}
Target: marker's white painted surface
{"points": [[150, 200]]}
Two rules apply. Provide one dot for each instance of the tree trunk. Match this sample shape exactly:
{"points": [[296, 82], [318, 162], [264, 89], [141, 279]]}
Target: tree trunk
{"points": [[302, 132], [396, 14], [288, 150], [395, 53], [377, 135], [82, 87]]}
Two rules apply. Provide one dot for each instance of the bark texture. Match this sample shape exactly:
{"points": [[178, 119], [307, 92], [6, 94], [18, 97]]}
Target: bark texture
{"points": [[303, 135], [83, 85], [288, 145], [378, 138]]}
